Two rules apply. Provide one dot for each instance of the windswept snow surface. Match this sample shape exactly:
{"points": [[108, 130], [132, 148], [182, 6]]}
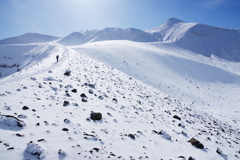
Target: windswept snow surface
{"points": [[138, 121], [28, 38]]}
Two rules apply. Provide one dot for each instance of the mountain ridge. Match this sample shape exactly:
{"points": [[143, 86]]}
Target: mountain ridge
{"points": [[78, 38], [28, 38], [46, 113], [196, 37]]}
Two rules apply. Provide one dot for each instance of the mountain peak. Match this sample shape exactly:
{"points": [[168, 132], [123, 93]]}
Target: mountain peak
{"points": [[172, 21]]}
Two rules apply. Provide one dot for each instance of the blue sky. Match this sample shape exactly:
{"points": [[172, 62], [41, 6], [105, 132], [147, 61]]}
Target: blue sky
{"points": [[62, 17]]}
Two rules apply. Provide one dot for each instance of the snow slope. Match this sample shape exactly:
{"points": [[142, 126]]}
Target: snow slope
{"points": [[184, 75], [155, 94], [28, 38], [46, 114], [77, 38], [15, 57], [199, 38]]}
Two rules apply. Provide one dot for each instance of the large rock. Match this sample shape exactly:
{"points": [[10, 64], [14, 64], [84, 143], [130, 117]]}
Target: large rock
{"points": [[96, 116], [11, 121], [35, 150], [196, 143]]}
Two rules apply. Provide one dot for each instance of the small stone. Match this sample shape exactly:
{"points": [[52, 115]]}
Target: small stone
{"points": [[83, 95], [19, 135], [11, 148], [84, 100], [114, 100], [25, 108], [65, 129], [66, 121], [131, 136], [65, 103], [74, 90], [176, 117]]}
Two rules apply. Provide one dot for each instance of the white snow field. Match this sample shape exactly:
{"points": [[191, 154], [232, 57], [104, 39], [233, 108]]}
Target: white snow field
{"points": [[110, 97]]}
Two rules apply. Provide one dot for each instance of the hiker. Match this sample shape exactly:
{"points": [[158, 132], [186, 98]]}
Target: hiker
{"points": [[57, 57]]}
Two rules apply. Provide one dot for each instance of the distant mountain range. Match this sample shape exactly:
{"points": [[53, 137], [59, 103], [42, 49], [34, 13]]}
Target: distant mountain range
{"points": [[199, 38], [28, 38]]}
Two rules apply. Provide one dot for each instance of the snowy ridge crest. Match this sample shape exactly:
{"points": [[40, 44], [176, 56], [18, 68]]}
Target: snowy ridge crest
{"points": [[98, 112], [132, 34], [28, 38]]}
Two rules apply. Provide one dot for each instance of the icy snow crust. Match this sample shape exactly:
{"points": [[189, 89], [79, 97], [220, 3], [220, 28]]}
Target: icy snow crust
{"points": [[154, 99]]}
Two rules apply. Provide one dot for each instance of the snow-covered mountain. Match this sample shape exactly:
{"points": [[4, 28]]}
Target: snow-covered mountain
{"points": [[117, 99], [28, 38], [199, 38], [80, 108], [131, 34]]}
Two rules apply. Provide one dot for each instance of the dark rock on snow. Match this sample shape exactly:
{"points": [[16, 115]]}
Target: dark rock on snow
{"points": [[25, 108], [196, 143], [176, 117], [96, 116], [74, 90], [65, 129], [65, 103], [131, 136]]}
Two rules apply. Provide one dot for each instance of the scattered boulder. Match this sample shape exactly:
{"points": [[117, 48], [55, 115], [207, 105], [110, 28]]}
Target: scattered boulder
{"points": [[74, 90], [96, 116], [219, 151], [35, 150], [100, 97], [67, 73], [11, 121], [114, 100], [19, 135], [196, 143], [65, 103], [90, 85], [67, 94], [131, 136], [90, 91], [25, 108], [61, 153], [84, 100], [65, 129], [83, 95], [176, 117], [66, 121], [191, 158]]}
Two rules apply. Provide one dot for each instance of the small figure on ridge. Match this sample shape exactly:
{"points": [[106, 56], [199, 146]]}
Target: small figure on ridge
{"points": [[57, 57]]}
